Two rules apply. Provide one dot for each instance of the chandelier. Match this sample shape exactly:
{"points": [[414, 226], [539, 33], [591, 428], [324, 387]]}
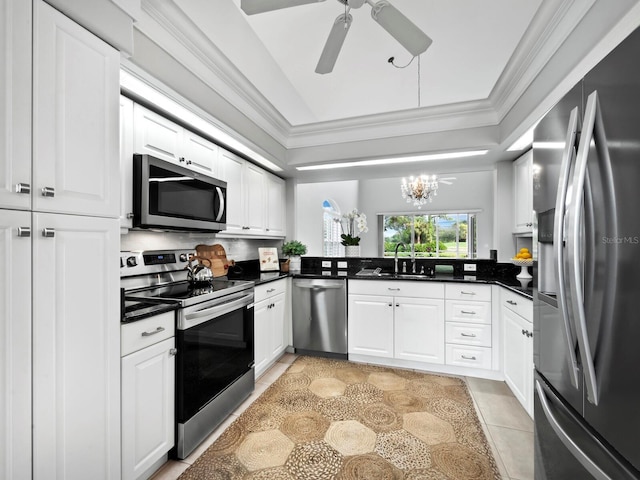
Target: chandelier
{"points": [[419, 190]]}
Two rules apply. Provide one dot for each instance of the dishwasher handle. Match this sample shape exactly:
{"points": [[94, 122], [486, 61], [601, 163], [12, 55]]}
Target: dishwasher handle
{"points": [[317, 283]]}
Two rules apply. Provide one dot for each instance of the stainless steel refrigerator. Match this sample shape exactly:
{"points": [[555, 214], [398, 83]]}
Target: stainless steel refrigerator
{"points": [[586, 184]]}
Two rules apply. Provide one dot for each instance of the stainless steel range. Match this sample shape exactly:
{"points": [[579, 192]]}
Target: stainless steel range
{"points": [[214, 338]]}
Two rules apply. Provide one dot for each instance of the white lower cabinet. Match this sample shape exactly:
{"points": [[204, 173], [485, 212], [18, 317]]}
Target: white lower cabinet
{"points": [[76, 347], [517, 341], [148, 398], [407, 325], [270, 332], [15, 354]]}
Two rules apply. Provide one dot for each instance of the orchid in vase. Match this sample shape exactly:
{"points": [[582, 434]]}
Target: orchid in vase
{"points": [[352, 224]]}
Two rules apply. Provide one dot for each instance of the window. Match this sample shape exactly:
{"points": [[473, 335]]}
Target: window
{"points": [[442, 235], [331, 246]]}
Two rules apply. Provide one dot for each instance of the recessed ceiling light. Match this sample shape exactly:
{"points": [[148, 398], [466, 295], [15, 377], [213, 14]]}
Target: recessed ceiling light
{"points": [[391, 161]]}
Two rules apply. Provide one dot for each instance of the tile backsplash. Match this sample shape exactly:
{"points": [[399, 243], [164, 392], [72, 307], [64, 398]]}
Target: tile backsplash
{"points": [[238, 249]]}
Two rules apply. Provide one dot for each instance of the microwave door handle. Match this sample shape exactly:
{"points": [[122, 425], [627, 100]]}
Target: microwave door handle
{"points": [[222, 205], [558, 245]]}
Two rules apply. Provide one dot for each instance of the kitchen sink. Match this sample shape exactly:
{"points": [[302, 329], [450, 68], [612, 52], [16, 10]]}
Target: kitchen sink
{"points": [[410, 276], [372, 272]]}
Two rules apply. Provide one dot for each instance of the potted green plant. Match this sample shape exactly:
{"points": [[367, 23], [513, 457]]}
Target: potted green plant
{"points": [[293, 249]]}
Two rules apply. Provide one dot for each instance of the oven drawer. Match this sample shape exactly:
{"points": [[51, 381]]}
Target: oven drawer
{"points": [[268, 290], [138, 335]]}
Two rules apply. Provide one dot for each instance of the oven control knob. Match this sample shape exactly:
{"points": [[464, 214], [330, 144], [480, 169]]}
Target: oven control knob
{"points": [[183, 257], [131, 262]]}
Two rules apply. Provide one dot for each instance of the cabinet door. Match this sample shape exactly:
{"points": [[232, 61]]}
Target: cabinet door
{"points": [[231, 171], [15, 103], [255, 199], [371, 325], [76, 86], [261, 336], [126, 162], [148, 386], [277, 313], [156, 135], [76, 347], [518, 357], [200, 154], [523, 192], [419, 329], [15, 354], [276, 207]]}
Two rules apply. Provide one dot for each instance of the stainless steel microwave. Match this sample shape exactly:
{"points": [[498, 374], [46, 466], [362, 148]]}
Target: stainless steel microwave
{"points": [[170, 197]]}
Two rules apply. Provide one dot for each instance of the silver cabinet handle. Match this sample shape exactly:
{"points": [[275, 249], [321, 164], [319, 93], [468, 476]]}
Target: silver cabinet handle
{"points": [[462, 292], [189, 162], [271, 290], [462, 334], [511, 302], [23, 188], [468, 358], [391, 304], [48, 192], [394, 289], [48, 232], [467, 312], [173, 352], [181, 159], [24, 231], [157, 330]]}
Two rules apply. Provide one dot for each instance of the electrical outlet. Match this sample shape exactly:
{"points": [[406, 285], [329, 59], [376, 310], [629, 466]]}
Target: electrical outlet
{"points": [[326, 264], [342, 265], [469, 267]]}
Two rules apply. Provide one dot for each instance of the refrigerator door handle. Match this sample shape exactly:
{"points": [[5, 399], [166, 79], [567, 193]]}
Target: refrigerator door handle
{"points": [[566, 439], [558, 240]]}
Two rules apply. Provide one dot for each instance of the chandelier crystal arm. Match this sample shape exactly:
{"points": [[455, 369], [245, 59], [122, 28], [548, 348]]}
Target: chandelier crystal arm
{"points": [[419, 190]]}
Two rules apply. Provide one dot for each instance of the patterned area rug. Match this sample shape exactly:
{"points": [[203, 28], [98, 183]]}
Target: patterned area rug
{"points": [[334, 419]]}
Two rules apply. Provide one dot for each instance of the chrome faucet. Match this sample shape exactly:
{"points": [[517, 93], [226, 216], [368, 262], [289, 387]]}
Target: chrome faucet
{"points": [[395, 258]]}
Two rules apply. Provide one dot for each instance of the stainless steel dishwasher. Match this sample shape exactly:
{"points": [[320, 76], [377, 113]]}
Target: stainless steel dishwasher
{"points": [[319, 307]]}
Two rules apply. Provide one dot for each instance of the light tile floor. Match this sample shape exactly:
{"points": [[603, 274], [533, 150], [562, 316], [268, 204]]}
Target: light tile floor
{"points": [[507, 426]]}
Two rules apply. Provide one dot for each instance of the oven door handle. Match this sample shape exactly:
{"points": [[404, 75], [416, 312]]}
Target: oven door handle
{"points": [[206, 314]]}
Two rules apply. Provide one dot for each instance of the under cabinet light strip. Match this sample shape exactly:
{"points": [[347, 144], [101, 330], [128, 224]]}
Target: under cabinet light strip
{"points": [[391, 161]]}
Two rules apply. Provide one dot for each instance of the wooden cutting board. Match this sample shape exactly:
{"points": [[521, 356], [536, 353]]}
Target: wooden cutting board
{"points": [[217, 255]]}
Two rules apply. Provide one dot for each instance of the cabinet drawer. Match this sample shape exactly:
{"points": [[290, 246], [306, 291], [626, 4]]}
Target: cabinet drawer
{"points": [[468, 312], [517, 303], [137, 335], [468, 291], [468, 356], [268, 290], [398, 288], [468, 334]]}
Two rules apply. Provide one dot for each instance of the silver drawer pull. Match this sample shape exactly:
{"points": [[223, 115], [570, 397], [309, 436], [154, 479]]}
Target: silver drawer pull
{"points": [[157, 330], [173, 352], [462, 292], [48, 192], [23, 188], [511, 302], [468, 358], [271, 290], [48, 232], [467, 312], [24, 231], [468, 335], [393, 289]]}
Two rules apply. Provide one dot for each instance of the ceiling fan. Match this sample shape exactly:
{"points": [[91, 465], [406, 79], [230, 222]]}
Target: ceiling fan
{"points": [[388, 16]]}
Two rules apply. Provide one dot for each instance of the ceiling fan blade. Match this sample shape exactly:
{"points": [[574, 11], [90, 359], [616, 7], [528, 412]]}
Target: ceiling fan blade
{"points": [[251, 7], [400, 27], [334, 44]]}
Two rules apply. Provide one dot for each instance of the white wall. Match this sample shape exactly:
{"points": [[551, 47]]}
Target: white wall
{"points": [[309, 213], [469, 191]]}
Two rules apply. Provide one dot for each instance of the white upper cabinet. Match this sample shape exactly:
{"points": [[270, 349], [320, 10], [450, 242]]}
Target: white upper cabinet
{"points": [[160, 137], [523, 193], [276, 206], [254, 198], [232, 171], [15, 104], [76, 85]]}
